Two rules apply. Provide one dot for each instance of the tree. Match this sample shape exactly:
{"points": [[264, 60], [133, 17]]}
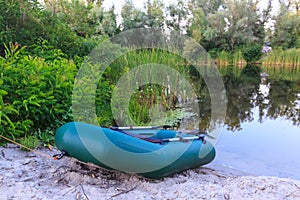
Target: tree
{"points": [[109, 22], [197, 24], [18, 17], [287, 28], [198, 27], [177, 15], [207, 6], [8, 22], [227, 24], [155, 13], [132, 17], [294, 5], [236, 25]]}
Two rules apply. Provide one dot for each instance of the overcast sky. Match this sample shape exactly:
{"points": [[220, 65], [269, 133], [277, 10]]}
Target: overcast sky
{"points": [[137, 3], [140, 4]]}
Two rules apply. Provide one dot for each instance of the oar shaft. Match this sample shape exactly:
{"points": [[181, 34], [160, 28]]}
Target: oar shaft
{"points": [[183, 138], [133, 127], [139, 127]]}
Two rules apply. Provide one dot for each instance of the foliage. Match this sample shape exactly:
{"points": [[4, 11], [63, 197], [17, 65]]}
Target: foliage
{"points": [[155, 13], [30, 142], [178, 15], [35, 92], [208, 6], [103, 97], [287, 29], [235, 24], [132, 17], [198, 27], [136, 18], [66, 25], [9, 15], [252, 52]]}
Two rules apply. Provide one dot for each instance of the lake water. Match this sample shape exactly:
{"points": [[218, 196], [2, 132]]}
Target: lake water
{"points": [[261, 135]]}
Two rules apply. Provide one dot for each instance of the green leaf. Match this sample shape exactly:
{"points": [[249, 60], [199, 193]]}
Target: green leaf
{"points": [[3, 93]]}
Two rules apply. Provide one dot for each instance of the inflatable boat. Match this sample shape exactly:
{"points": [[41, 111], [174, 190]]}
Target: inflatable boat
{"points": [[151, 152]]}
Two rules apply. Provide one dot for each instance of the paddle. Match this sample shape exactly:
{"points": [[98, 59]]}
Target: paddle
{"points": [[176, 139], [201, 134], [196, 132], [138, 127]]}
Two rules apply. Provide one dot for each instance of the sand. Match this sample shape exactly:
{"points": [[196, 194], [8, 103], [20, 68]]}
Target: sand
{"points": [[27, 175]]}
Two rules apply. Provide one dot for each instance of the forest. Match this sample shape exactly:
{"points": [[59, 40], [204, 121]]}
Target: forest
{"points": [[74, 26], [44, 43]]}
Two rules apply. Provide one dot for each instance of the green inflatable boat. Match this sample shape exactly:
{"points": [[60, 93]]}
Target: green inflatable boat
{"points": [[150, 152]]}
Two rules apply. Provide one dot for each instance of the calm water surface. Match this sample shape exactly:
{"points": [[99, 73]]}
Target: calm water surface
{"points": [[262, 133]]}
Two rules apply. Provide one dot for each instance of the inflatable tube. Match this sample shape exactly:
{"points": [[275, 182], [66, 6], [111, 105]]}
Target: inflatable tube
{"points": [[119, 150]]}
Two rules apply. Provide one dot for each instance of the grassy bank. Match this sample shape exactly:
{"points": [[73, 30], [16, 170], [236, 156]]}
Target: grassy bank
{"points": [[223, 59], [289, 58], [283, 64]]}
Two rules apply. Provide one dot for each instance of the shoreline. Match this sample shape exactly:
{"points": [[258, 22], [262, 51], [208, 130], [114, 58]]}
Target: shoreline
{"points": [[37, 177]]}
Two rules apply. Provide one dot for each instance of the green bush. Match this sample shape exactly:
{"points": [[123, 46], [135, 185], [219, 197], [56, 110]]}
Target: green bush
{"points": [[35, 93], [252, 53]]}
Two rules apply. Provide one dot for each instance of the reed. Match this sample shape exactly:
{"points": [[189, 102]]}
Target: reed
{"points": [[283, 64], [150, 98], [238, 59], [287, 59], [225, 58]]}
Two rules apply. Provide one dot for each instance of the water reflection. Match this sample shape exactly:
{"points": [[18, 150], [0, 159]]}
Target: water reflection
{"points": [[274, 98], [283, 100], [262, 127]]}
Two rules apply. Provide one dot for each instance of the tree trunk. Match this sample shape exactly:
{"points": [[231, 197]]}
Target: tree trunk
{"points": [[22, 16], [54, 8]]}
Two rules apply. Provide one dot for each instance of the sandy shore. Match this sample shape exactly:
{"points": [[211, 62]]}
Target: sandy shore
{"points": [[25, 175]]}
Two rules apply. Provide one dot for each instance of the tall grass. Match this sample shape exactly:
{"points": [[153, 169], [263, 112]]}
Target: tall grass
{"points": [[225, 58], [150, 98], [230, 64], [146, 56], [283, 64], [280, 64], [289, 59]]}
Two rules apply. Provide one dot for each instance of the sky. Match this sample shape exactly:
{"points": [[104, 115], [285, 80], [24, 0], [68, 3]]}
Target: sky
{"points": [[137, 3], [140, 3]]}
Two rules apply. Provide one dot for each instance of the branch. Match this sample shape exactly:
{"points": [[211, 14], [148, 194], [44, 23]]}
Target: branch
{"points": [[123, 192]]}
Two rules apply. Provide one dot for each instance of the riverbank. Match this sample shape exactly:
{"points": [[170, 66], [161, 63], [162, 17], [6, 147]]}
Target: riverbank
{"points": [[25, 175]]}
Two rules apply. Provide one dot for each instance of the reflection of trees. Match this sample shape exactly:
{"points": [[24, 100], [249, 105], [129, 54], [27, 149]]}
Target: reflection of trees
{"points": [[243, 96], [240, 93], [282, 97], [240, 96]]}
